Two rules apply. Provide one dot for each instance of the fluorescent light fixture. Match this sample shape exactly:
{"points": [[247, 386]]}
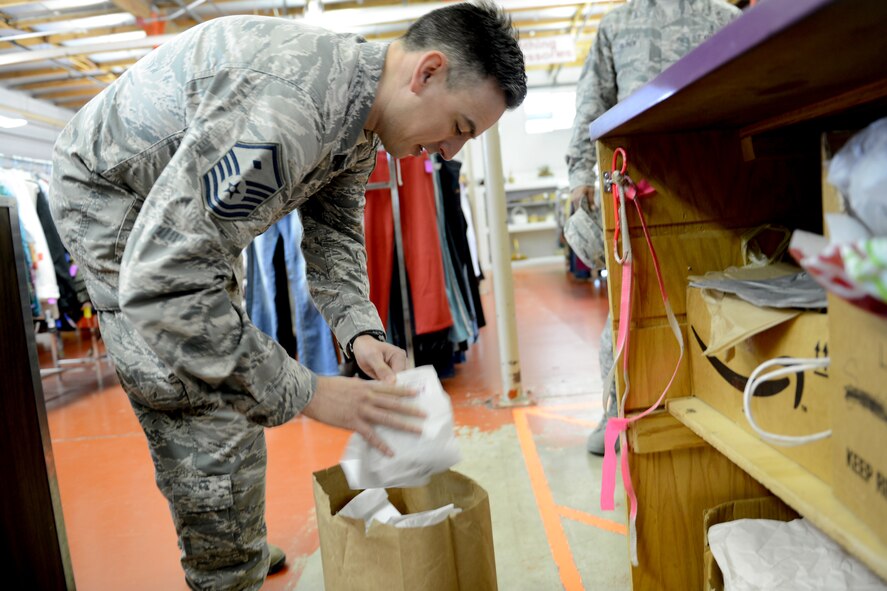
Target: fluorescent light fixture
{"points": [[91, 22], [119, 56], [63, 4], [127, 36], [12, 122]]}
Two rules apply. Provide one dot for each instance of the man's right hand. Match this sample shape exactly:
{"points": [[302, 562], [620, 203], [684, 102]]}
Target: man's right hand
{"points": [[584, 192], [360, 405]]}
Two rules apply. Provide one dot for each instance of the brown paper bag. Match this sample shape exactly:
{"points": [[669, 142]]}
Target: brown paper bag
{"points": [[456, 554]]}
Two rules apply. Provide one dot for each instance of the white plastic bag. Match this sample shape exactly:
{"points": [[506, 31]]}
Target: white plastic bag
{"points": [[416, 457], [859, 172]]}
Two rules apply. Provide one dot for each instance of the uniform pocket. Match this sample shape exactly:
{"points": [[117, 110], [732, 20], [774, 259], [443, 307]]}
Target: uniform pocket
{"points": [[145, 378], [207, 522]]}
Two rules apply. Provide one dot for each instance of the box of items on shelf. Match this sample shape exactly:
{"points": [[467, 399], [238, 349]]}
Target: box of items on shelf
{"points": [[851, 262], [734, 346]]}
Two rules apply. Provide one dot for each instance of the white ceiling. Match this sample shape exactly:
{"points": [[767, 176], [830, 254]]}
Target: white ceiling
{"points": [[61, 53]]}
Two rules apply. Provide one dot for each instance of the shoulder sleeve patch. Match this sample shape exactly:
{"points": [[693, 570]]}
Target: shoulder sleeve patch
{"points": [[242, 180]]}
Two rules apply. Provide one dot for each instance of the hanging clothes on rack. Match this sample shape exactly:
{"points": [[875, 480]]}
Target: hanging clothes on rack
{"points": [[314, 343], [422, 247], [28, 271], [456, 227], [464, 329], [71, 299], [24, 189], [444, 303]]}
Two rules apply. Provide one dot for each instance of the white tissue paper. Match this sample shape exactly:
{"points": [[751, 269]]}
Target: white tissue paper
{"points": [[763, 554], [373, 505], [416, 457], [425, 518]]}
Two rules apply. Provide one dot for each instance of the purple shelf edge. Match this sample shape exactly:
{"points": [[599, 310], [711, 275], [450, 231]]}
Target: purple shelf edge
{"points": [[756, 25]]}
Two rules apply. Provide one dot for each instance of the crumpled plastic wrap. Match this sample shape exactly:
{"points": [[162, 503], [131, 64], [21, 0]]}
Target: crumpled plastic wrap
{"points": [[416, 457], [764, 555], [859, 172], [853, 263]]}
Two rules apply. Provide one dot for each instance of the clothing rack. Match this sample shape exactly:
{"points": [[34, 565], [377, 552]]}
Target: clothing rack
{"points": [[395, 180], [60, 363]]}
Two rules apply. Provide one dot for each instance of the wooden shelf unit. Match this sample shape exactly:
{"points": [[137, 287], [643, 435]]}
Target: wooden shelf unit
{"points": [[797, 487], [729, 137]]}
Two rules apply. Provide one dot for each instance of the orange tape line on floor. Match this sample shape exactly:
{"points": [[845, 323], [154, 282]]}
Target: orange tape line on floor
{"points": [[551, 415], [554, 531], [593, 520], [574, 405]]}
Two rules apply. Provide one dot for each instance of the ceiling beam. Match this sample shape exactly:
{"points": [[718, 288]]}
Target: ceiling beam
{"points": [[119, 63], [52, 17], [140, 8], [70, 93], [52, 84], [24, 57], [32, 73], [72, 104]]}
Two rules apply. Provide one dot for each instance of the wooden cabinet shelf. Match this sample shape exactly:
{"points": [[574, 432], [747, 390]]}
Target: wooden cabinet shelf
{"points": [[782, 62], [797, 487], [730, 138]]}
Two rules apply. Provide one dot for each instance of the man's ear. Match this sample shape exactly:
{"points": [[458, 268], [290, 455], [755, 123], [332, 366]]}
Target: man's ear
{"points": [[431, 66]]}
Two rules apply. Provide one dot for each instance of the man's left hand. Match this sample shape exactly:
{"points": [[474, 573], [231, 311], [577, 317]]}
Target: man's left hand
{"points": [[381, 361]]}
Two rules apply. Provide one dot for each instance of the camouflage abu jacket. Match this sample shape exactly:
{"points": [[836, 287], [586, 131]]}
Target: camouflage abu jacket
{"points": [[164, 178]]}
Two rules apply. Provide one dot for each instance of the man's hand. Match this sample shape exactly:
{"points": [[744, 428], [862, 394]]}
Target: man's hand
{"points": [[381, 361], [584, 192], [360, 405]]}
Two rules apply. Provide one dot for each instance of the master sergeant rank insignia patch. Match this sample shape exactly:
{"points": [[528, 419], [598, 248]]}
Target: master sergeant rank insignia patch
{"points": [[244, 178]]}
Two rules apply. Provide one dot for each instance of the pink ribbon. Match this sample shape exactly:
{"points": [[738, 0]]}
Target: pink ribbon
{"points": [[617, 426]]}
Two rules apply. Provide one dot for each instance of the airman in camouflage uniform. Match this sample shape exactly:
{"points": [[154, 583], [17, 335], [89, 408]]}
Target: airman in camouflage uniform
{"points": [[162, 180], [634, 43]]}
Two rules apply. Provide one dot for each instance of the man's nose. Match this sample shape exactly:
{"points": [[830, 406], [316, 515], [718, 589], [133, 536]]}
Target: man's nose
{"points": [[451, 147]]}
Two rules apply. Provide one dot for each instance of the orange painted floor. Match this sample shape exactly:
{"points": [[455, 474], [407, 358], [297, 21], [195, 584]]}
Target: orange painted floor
{"points": [[121, 536]]}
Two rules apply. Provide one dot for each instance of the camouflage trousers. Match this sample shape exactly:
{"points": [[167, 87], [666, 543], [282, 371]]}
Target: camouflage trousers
{"points": [[209, 463], [605, 359]]}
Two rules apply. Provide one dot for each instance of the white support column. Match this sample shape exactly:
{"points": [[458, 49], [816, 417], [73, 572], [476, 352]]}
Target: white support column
{"points": [[503, 285]]}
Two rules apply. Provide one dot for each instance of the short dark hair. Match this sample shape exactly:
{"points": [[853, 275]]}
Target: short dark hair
{"points": [[479, 41]]}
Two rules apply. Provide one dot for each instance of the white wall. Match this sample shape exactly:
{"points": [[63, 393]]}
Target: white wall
{"points": [[29, 141], [524, 153], [45, 122]]}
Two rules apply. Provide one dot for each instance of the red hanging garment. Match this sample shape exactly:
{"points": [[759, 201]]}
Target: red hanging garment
{"points": [[422, 249]]}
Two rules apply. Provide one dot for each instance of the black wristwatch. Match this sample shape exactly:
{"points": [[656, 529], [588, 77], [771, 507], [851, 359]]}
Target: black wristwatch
{"points": [[376, 334]]}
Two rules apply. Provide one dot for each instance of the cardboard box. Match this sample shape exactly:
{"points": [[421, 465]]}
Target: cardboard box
{"points": [[454, 554], [796, 405], [859, 411], [760, 508]]}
